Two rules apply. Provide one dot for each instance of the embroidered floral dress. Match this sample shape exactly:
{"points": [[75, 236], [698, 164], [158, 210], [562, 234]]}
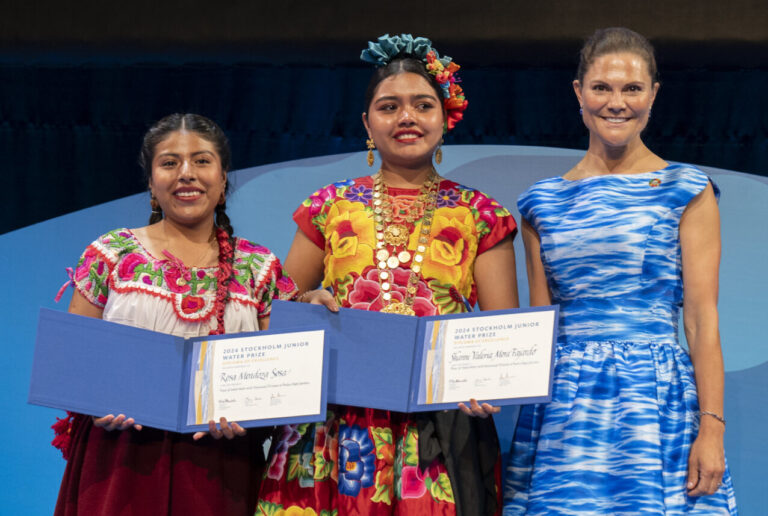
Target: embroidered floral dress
{"points": [[154, 472], [375, 462]]}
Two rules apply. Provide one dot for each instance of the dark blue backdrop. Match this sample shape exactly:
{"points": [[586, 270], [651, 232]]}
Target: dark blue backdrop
{"points": [[70, 126]]}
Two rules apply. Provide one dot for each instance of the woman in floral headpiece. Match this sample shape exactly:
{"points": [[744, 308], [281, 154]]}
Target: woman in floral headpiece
{"points": [[184, 274], [403, 240]]}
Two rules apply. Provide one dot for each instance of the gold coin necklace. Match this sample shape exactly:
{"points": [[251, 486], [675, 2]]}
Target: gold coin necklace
{"points": [[393, 230]]}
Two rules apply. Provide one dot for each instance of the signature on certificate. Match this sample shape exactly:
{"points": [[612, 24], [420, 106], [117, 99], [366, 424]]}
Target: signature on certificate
{"points": [[226, 403], [252, 401]]}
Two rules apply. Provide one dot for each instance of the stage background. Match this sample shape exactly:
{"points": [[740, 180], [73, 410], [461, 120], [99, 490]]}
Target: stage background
{"points": [[261, 207], [80, 83]]}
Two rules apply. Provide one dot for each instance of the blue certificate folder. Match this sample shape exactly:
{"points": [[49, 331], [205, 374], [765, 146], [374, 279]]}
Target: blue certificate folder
{"points": [[97, 367], [376, 357]]}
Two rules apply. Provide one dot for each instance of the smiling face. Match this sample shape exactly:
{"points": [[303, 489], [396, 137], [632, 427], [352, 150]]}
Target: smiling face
{"points": [[616, 95], [187, 178], [405, 120]]}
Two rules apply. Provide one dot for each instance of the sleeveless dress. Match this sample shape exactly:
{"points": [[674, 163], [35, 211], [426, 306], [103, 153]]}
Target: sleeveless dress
{"points": [[615, 438], [155, 472], [364, 461]]}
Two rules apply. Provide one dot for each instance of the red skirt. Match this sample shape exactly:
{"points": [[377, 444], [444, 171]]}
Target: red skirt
{"points": [[154, 472]]}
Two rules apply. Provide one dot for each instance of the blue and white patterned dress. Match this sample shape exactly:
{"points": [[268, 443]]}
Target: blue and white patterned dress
{"points": [[616, 436]]}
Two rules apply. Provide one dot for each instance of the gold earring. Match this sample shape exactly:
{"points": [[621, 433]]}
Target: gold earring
{"points": [[154, 204], [371, 146], [439, 152]]}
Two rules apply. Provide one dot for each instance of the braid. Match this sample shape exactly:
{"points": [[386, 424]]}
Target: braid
{"points": [[226, 239], [226, 269], [222, 219]]}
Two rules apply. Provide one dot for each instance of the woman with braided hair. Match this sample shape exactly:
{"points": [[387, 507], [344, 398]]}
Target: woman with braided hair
{"points": [[402, 240], [187, 275]]}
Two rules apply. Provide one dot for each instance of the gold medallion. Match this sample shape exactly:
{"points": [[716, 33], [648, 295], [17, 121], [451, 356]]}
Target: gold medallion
{"points": [[396, 235], [398, 308]]}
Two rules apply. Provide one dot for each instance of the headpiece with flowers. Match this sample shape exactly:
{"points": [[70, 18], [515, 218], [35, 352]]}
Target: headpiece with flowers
{"points": [[382, 51]]}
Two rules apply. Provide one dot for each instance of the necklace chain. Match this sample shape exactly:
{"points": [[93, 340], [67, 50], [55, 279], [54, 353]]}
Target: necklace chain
{"points": [[392, 230], [184, 270]]}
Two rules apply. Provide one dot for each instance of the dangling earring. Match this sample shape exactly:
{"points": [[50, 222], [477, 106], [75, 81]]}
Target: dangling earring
{"points": [[439, 152], [371, 146], [154, 204], [649, 113], [581, 111]]}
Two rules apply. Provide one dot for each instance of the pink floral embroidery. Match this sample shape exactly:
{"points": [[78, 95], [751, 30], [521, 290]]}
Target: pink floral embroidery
{"points": [[412, 479], [412, 482], [251, 248], [288, 437], [486, 207], [236, 287], [82, 271], [285, 284], [192, 304], [127, 266], [365, 292], [319, 198], [117, 262], [176, 280]]}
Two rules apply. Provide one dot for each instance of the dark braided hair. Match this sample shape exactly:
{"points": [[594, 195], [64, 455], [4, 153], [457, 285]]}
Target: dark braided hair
{"points": [[206, 129]]}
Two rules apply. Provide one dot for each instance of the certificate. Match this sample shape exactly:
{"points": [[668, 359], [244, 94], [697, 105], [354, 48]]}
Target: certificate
{"points": [[495, 357], [96, 367], [257, 377], [410, 364]]}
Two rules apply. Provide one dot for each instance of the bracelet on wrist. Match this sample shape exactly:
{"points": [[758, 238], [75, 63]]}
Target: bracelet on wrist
{"points": [[714, 415]]}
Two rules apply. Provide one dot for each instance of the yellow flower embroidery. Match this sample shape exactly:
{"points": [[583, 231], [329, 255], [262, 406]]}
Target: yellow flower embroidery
{"points": [[350, 240], [452, 248]]}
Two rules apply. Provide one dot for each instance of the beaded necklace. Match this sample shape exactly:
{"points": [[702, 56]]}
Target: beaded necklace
{"points": [[396, 235]]}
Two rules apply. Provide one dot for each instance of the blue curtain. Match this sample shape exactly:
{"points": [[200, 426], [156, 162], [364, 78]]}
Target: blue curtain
{"points": [[70, 132]]}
